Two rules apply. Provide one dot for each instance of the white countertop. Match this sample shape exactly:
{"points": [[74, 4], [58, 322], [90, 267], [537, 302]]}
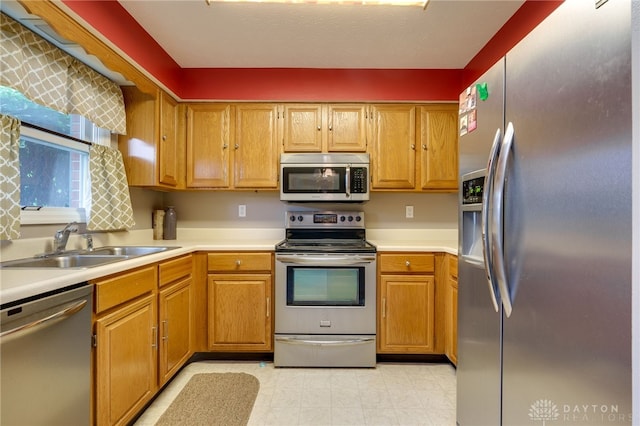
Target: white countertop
{"points": [[16, 284]]}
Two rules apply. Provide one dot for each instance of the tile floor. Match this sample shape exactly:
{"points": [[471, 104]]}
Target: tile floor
{"points": [[391, 394]]}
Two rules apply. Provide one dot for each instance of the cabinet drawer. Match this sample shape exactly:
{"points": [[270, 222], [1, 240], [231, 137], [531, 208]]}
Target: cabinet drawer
{"points": [[406, 262], [114, 291], [453, 266], [174, 269], [239, 261]]}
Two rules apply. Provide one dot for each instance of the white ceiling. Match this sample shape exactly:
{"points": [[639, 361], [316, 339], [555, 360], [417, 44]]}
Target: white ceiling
{"points": [[448, 34]]}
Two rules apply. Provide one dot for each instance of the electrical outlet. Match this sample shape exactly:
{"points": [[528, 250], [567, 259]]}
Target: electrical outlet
{"points": [[409, 212], [242, 210]]}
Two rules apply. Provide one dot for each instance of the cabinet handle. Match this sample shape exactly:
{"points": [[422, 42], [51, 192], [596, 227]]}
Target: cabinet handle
{"points": [[413, 146], [238, 262], [165, 330], [164, 137], [236, 146], [154, 339], [424, 147], [319, 128], [407, 263], [331, 128], [268, 307], [225, 146], [384, 307]]}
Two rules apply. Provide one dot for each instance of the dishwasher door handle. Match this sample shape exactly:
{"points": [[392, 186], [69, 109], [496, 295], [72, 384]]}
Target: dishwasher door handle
{"points": [[47, 321]]}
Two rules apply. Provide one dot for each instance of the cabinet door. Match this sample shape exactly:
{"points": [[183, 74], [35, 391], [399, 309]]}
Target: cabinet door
{"points": [[347, 128], [239, 312], [256, 147], [126, 357], [406, 313], [439, 147], [174, 306], [302, 128], [452, 315], [168, 152], [208, 145], [393, 147]]}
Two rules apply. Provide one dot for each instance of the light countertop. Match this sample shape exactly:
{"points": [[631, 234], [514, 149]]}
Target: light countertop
{"points": [[17, 284]]}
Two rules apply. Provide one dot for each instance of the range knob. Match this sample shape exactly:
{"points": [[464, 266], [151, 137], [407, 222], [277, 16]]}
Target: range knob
{"points": [[358, 218], [300, 218], [292, 218], [350, 218], [342, 218]]}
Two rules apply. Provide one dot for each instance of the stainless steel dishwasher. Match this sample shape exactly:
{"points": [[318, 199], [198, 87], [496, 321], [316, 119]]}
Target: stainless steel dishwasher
{"points": [[45, 364]]}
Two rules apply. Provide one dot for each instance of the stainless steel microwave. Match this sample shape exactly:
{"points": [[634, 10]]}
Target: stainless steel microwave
{"points": [[329, 177]]}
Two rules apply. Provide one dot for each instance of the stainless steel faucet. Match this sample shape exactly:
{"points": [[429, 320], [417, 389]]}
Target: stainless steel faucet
{"points": [[62, 236]]}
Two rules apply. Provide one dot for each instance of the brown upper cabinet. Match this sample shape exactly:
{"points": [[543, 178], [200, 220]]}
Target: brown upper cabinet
{"points": [[256, 151], [414, 147], [325, 128], [153, 148], [393, 147], [232, 146], [208, 145], [439, 147]]}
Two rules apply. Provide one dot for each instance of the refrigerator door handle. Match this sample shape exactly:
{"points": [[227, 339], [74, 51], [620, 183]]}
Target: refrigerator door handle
{"points": [[487, 196], [497, 219]]}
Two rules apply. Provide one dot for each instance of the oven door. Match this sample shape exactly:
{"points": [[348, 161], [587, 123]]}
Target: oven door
{"points": [[325, 294]]}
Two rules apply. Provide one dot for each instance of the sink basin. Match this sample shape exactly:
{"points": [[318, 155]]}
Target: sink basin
{"points": [[128, 250], [85, 259], [71, 261]]}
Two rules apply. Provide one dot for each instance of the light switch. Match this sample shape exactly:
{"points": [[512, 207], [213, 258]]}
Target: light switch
{"points": [[242, 210]]}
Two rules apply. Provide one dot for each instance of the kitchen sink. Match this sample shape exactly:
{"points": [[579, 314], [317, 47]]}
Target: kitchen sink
{"points": [[78, 261], [86, 258], [130, 251]]}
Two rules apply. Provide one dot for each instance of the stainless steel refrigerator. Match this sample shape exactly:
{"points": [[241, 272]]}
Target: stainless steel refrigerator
{"points": [[544, 308]]}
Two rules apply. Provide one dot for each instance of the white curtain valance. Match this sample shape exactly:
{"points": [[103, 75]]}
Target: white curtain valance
{"points": [[52, 78], [9, 178]]}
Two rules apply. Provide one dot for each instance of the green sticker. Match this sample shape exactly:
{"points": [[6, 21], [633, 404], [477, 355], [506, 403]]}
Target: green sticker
{"points": [[482, 91]]}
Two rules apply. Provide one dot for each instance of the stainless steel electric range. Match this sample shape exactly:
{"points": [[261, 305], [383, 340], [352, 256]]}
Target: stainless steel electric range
{"points": [[325, 283]]}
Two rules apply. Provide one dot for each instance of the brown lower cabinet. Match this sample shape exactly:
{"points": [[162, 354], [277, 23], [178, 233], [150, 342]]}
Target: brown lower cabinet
{"points": [[142, 336], [406, 303], [239, 296], [451, 310]]}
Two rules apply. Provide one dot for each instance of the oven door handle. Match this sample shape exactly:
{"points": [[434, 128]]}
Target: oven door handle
{"points": [[325, 260], [348, 342]]}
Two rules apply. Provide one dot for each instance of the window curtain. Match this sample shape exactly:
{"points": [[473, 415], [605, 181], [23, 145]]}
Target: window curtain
{"points": [[110, 200], [52, 78], [9, 177]]}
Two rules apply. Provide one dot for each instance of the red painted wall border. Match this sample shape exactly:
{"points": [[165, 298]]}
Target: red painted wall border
{"points": [[302, 84]]}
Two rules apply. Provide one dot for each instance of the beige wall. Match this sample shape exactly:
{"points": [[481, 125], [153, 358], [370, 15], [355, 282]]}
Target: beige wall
{"points": [[208, 209], [265, 210]]}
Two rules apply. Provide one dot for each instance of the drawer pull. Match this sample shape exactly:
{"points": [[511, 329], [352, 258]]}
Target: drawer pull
{"points": [[238, 262], [407, 263], [268, 307]]}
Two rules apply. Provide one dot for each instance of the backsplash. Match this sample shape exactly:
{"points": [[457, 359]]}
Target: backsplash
{"points": [[265, 210]]}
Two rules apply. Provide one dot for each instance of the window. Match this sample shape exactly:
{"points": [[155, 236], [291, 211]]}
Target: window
{"points": [[54, 174]]}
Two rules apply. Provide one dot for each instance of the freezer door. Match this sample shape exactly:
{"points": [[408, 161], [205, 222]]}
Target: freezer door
{"points": [[487, 115], [479, 325], [478, 369], [567, 343]]}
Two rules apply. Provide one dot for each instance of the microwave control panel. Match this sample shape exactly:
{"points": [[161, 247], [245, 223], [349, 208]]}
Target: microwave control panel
{"points": [[358, 180]]}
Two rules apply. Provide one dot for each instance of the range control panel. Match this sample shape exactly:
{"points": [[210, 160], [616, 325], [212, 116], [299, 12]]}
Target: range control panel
{"points": [[324, 219]]}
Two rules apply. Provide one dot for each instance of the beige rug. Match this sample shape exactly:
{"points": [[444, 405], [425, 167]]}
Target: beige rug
{"points": [[213, 399]]}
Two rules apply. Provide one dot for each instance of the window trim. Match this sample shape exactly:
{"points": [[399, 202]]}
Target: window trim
{"points": [[53, 215]]}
